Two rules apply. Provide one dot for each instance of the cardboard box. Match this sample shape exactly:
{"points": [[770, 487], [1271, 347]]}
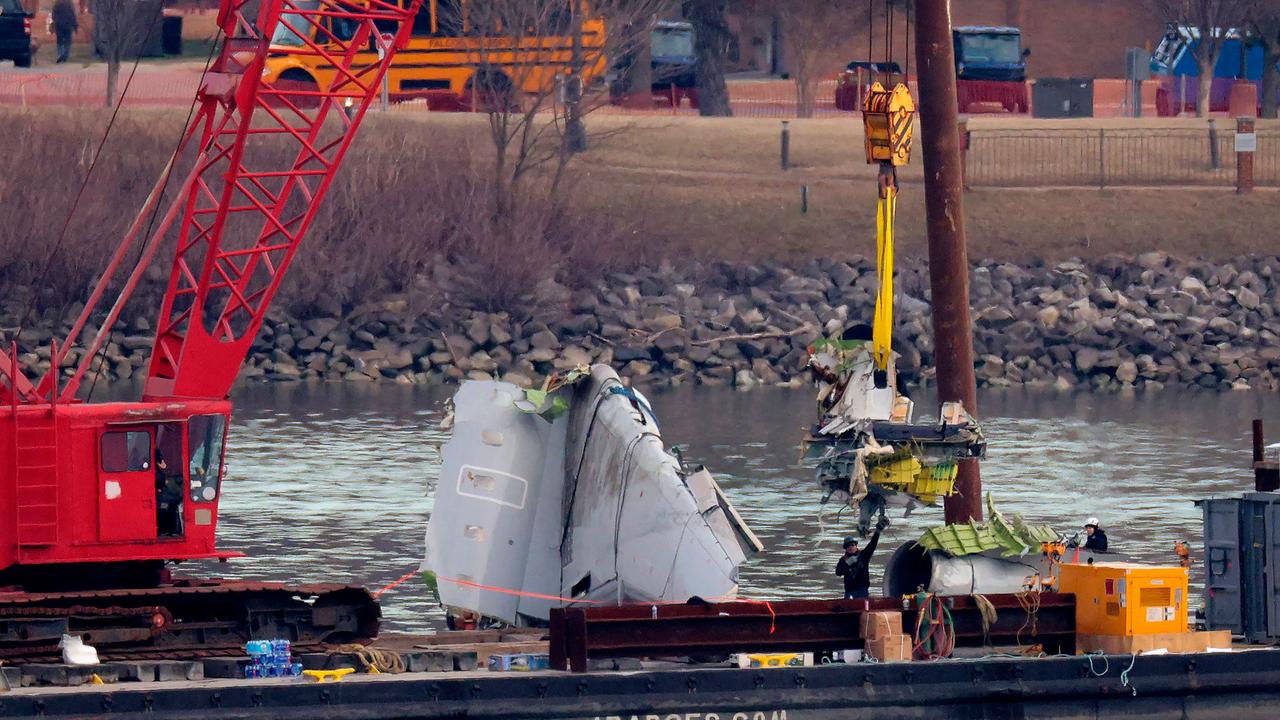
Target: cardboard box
{"points": [[890, 648], [1185, 642], [880, 624]]}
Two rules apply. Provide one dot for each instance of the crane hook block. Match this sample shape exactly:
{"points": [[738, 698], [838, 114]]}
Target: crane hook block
{"points": [[888, 116]]}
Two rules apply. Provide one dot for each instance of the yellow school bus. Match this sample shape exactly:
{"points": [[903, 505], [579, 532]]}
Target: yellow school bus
{"points": [[455, 54]]}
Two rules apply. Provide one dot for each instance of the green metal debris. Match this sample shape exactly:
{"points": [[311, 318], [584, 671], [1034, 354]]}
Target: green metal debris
{"points": [[1012, 538], [547, 401]]}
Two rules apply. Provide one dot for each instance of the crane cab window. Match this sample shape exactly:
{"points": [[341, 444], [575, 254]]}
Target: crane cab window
{"points": [[128, 451], [205, 436]]}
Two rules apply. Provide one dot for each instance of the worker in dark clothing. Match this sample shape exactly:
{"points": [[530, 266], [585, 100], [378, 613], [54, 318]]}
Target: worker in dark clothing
{"points": [[168, 499], [65, 24], [855, 566], [1096, 537]]}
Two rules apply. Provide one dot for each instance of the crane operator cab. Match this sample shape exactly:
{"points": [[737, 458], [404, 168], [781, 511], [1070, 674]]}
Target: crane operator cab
{"points": [[157, 476]]}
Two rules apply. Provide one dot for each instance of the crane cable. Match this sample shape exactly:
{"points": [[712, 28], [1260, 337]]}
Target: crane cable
{"points": [[84, 184], [155, 210]]}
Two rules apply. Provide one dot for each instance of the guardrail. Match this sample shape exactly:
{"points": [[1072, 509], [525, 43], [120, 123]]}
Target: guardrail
{"points": [[1116, 157]]}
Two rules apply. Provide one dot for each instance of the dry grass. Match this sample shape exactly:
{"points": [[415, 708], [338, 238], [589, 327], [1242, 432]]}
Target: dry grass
{"points": [[682, 189], [407, 195], [713, 188]]}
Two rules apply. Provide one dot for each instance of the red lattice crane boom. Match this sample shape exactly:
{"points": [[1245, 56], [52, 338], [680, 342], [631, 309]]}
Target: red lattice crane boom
{"points": [[105, 494]]}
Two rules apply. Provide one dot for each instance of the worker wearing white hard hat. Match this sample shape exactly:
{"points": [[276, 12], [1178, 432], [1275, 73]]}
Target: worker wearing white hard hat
{"points": [[1096, 539]]}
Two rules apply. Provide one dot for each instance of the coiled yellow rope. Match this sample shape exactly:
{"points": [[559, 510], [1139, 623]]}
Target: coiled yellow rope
{"points": [[375, 660]]}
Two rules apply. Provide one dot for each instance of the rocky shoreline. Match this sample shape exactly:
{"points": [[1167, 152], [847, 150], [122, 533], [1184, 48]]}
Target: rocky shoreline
{"points": [[1117, 322]]}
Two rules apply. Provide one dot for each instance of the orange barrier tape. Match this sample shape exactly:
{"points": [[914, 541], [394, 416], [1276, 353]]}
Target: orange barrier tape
{"points": [[517, 593], [768, 605], [773, 617], [403, 578]]}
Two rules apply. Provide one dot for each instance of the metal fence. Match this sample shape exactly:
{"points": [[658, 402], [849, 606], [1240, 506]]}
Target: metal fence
{"points": [[1111, 157]]}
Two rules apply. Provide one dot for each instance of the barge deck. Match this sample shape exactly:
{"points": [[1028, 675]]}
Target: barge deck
{"points": [[1242, 685]]}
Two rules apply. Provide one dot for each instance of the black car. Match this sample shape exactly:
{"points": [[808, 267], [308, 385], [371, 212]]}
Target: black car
{"points": [[15, 33]]}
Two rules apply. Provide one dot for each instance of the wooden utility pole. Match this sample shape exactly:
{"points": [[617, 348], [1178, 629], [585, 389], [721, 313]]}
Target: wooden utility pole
{"points": [[948, 257]]}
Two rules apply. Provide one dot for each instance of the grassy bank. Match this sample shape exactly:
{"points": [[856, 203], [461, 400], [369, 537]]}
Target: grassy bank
{"points": [[714, 187], [652, 189]]}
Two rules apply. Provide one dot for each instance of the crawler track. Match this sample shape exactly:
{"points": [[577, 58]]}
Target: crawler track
{"points": [[186, 619]]}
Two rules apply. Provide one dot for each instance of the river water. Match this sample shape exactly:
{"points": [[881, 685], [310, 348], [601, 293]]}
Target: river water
{"points": [[331, 483]]}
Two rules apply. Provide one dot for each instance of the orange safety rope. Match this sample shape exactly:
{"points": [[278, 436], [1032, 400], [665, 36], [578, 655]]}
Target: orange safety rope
{"points": [[517, 593], [773, 616], [403, 578], [941, 640], [768, 604]]}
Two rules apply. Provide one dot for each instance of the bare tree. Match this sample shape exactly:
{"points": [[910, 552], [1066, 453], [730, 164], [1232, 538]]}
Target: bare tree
{"points": [[815, 31], [711, 39], [1212, 19], [1264, 27], [532, 81], [636, 78], [122, 29], [539, 65]]}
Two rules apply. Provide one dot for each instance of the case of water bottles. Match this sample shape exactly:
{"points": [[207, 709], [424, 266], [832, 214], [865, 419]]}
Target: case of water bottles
{"points": [[270, 659]]}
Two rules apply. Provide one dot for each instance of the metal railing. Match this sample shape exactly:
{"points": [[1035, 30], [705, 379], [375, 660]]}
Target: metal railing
{"points": [[1112, 157]]}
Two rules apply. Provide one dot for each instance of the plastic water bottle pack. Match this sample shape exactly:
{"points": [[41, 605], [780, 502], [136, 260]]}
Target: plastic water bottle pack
{"points": [[271, 659]]}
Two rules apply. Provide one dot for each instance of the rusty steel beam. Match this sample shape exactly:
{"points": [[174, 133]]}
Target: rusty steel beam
{"points": [[948, 257], [580, 634]]}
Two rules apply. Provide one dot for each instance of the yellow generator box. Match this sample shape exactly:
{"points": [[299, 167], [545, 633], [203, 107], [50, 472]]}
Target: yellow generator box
{"points": [[1126, 599]]}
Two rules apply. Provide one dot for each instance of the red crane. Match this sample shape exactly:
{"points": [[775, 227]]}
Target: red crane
{"points": [[98, 498]]}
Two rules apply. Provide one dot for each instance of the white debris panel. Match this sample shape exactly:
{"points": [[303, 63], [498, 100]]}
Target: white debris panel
{"points": [[584, 506]]}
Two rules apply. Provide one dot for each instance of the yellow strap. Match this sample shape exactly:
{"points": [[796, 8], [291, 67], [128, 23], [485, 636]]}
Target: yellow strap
{"points": [[882, 327]]}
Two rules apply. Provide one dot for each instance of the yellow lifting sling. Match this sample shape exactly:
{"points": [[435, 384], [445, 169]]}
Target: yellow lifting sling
{"points": [[888, 117], [882, 327]]}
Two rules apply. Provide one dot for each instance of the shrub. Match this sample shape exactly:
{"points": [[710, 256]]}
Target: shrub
{"points": [[410, 194]]}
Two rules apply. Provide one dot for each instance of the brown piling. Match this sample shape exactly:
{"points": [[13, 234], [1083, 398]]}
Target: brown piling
{"points": [[948, 257]]}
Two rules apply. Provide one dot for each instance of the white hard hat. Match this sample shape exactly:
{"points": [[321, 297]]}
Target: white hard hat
{"points": [[1092, 521]]}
